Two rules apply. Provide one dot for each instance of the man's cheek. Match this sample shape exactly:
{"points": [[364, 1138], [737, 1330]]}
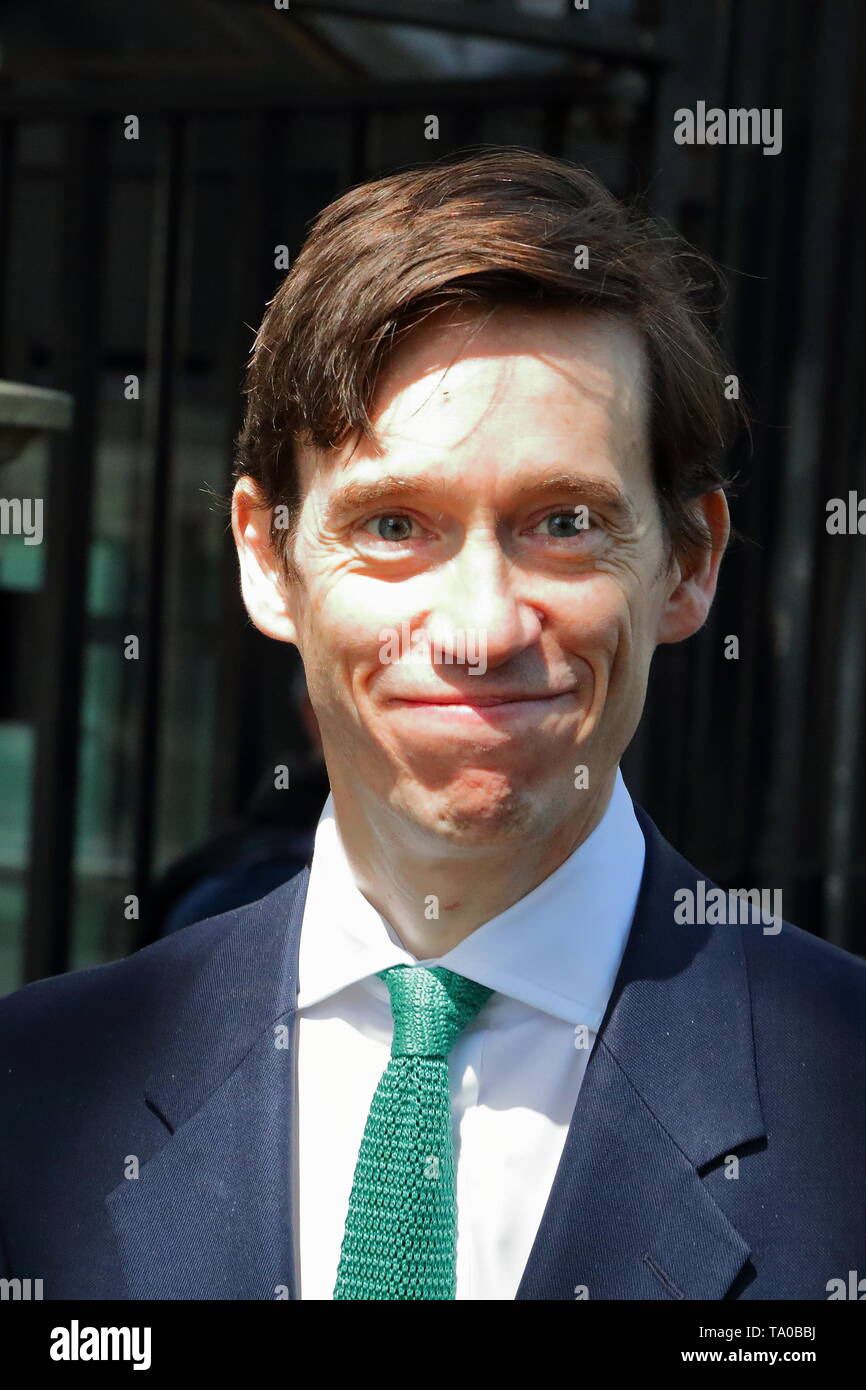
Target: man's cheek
{"points": [[603, 627], [334, 616]]}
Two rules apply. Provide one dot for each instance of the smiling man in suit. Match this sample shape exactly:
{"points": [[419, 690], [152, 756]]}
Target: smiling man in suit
{"points": [[473, 1050]]}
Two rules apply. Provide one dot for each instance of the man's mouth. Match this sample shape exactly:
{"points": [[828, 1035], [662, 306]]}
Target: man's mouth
{"points": [[478, 701], [483, 709]]}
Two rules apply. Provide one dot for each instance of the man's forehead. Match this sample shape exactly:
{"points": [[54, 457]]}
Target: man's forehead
{"points": [[596, 357], [533, 384]]}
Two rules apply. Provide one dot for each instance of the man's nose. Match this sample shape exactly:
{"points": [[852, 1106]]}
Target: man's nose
{"points": [[481, 605]]}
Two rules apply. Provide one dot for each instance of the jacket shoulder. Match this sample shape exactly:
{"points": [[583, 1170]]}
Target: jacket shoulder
{"points": [[134, 999], [805, 976]]}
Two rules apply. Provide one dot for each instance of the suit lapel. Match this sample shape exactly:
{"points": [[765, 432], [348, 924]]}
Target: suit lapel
{"points": [[670, 1089], [209, 1215]]}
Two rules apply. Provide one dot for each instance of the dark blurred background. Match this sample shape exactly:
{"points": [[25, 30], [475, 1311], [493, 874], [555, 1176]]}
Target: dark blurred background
{"points": [[152, 259]]}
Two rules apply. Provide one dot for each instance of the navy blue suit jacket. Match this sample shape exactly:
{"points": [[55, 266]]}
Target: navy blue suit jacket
{"points": [[720, 1043]]}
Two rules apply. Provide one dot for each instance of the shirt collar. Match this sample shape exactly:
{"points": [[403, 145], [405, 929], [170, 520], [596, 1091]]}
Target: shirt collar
{"points": [[557, 949]]}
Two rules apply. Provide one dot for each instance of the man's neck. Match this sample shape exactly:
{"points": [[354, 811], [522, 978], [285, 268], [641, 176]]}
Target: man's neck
{"points": [[434, 900]]}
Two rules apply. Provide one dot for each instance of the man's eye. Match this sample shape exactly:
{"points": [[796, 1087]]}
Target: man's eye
{"points": [[565, 525], [390, 526]]}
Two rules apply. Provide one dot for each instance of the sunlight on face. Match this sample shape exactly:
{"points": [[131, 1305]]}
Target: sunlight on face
{"points": [[480, 595]]}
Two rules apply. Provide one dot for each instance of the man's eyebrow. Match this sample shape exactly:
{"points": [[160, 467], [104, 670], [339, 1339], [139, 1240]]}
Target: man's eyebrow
{"points": [[600, 491], [357, 496]]}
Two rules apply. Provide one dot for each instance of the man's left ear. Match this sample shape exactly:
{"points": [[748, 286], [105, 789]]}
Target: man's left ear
{"points": [[688, 604]]}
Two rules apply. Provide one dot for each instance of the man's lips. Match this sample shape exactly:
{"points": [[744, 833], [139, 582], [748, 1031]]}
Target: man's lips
{"points": [[481, 712], [478, 701], [475, 712]]}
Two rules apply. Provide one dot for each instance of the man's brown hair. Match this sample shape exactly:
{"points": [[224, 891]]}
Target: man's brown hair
{"points": [[502, 226]]}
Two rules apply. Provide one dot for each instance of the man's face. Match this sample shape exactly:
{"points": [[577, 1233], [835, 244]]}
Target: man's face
{"points": [[478, 599]]}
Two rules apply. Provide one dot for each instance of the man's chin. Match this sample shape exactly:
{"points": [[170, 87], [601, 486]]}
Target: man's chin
{"points": [[487, 808]]}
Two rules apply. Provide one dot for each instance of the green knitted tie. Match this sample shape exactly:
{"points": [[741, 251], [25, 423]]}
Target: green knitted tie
{"points": [[400, 1240]]}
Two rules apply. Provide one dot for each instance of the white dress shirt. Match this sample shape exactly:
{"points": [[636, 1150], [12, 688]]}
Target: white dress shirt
{"points": [[515, 1071]]}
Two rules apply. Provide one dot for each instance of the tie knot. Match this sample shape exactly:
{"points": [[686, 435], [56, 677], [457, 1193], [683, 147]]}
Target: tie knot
{"points": [[431, 1007]]}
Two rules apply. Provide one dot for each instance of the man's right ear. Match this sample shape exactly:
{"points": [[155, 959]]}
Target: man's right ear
{"points": [[263, 583]]}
